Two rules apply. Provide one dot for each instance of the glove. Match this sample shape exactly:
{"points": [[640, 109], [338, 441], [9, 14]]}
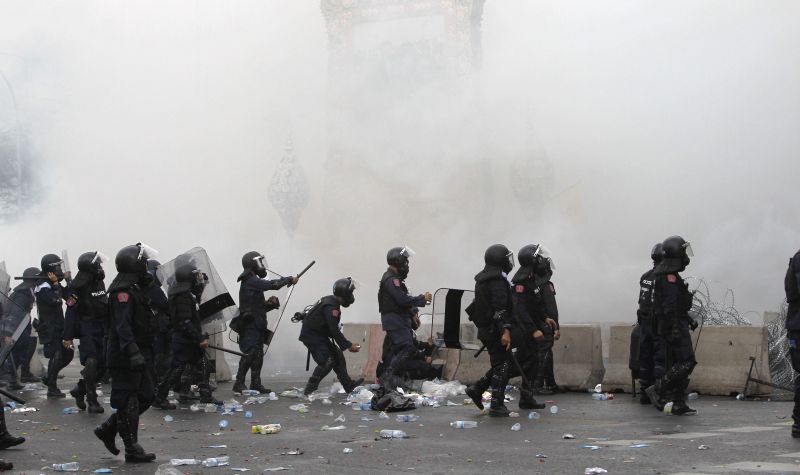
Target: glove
{"points": [[273, 303], [137, 362], [35, 323], [693, 324]]}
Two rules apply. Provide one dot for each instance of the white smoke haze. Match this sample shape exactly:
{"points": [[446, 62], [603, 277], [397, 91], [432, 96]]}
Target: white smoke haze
{"points": [[596, 128]]}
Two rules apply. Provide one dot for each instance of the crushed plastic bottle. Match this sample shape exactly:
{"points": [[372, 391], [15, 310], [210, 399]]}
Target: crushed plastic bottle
{"points": [[216, 461], [516, 427], [600, 397], [692, 396], [195, 408], [362, 395], [299, 407], [362, 406], [407, 418], [383, 415], [168, 418], [393, 434], [248, 415], [326, 402], [740, 397], [20, 410], [292, 393], [272, 396], [598, 388], [266, 429], [347, 450], [328, 428], [11, 405], [668, 408], [341, 418], [250, 392], [463, 424], [223, 423], [179, 462], [103, 470], [66, 467], [210, 408], [70, 410], [553, 410], [533, 415]]}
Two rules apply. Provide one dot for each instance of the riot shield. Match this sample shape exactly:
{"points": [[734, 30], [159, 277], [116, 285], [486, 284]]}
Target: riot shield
{"points": [[5, 288], [448, 311], [216, 304]]}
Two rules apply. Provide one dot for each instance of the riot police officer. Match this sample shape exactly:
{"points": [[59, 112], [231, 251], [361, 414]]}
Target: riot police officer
{"points": [[87, 318], [188, 341], [492, 314], [162, 349], [674, 355], [49, 302], [129, 352], [15, 314], [792, 288], [397, 309], [7, 440], [644, 318], [253, 308], [323, 325]]}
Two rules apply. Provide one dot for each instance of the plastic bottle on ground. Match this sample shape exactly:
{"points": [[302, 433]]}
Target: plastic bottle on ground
{"points": [[70, 410], [223, 423], [250, 392], [533, 415], [210, 408], [66, 467], [248, 415], [393, 434], [692, 396], [463, 424], [179, 462], [668, 408], [599, 397], [516, 427], [553, 409], [407, 418], [168, 418], [362, 406], [216, 461], [266, 429]]}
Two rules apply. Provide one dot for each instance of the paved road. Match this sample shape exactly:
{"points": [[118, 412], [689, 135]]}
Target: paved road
{"points": [[742, 436]]}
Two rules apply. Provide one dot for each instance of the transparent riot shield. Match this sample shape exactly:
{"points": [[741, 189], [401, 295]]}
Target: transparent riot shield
{"points": [[216, 304]]}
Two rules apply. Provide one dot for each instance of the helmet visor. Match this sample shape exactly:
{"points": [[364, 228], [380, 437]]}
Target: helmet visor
{"points": [[545, 252], [407, 252], [261, 262], [146, 252], [510, 257], [99, 258], [688, 248], [354, 284]]}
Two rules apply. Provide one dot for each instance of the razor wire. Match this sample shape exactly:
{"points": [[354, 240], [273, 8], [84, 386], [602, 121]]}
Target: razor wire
{"points": [[713, 312], [780, 363]]}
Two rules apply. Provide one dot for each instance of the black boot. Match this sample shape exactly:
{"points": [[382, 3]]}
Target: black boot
{"points": [[107, 433], [527, 401], [90, 372], [796, 431], [26, 376], [79, 393], [255, 373], [316, 376], [241, 373], [644, 399], [206, 397], [5, 465], [475, 391], [352, 384], [679, 406], [7, 440], [499, 379], [128, 425], [53, 367]]}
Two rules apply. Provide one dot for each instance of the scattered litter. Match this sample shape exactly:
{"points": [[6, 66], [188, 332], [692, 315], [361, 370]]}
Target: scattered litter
{"points": [[168, 418], [195, 408], [327, 428], [70, 410], [383, 415], [362, 406], [10, 405], [248, 415], [367, 419], [66, 467], [240, 469], [594, 471], [216, 461], [638, 446], [513, 414], [393, 434], [340, 418], [692, 396], [533, 415], [463, 424], [568, 436], [215, 446], [210, 408], [20, 410], [223, 423], [250, 392], [451, 403], [266, 429], [326, 402], [336, 388], [276, 469], [168, 469], [103, 470], [272, 396], [296, 393], [33, 387], [592, 447], [740, 397], [541, 456], [668, 407], [179, 462], [293, 452], [362, 395], [516, 427], [602, 396], [553, 409], [598, 388], [347, 450], [407, 418], [703, 447], [302, 408]]}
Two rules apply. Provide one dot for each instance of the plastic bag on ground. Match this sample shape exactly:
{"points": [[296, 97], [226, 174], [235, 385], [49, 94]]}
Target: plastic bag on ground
{"points": [[362, 395], [443, 389], [391, 401], [168, 469]]}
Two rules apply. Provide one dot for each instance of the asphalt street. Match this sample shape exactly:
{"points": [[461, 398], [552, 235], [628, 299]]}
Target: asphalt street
{"points": [[740, 436]]}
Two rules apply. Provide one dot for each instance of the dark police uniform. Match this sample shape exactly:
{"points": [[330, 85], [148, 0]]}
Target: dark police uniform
{"points": [[49, 302], [397, 307], [162, 346], [323, 337], [792, 288], [644, 317], [253, 307]]}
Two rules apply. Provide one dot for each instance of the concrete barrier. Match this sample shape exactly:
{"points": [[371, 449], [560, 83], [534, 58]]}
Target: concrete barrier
{"points": [[723, 360]]}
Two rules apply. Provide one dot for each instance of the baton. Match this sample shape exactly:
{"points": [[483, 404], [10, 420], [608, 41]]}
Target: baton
{"points": [[286, 304], [233, 352]]}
